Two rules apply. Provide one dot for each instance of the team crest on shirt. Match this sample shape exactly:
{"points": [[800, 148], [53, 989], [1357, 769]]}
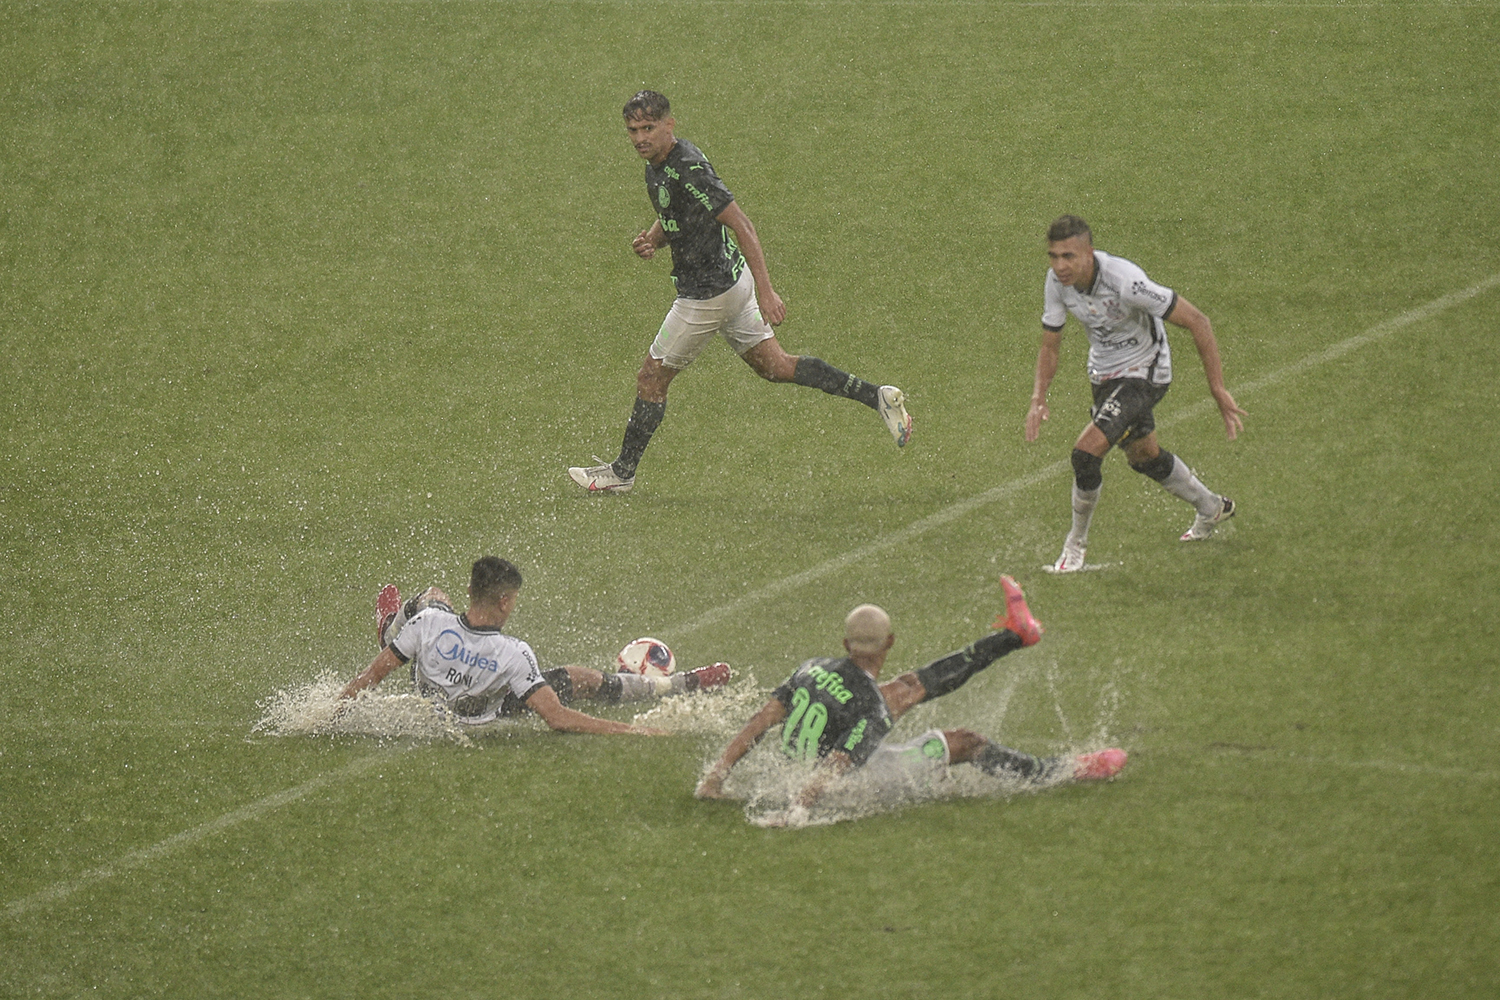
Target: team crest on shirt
{"points": [[663, 196]]}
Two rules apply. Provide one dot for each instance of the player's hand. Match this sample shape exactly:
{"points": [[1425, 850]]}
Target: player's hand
{"points": [[1035, 417], [772, 309], [643, 246], [711, 787], [1231, 412]]}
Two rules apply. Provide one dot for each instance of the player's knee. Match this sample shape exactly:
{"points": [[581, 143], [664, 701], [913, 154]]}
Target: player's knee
{"points": [[1158, 468], [560, 681], [963, 744], [1087, 470]]}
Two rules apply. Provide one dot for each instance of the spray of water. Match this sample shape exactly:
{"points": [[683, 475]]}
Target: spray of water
{"points": [[315, 709], [768, 782]]}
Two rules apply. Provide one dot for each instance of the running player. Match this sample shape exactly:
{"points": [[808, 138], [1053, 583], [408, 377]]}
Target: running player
{"points": [[837, 712], [723, 289], [1130, 366], [467, 663]]}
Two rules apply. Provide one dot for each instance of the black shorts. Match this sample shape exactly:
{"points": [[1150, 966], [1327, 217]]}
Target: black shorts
{"points": [[557, 678], [1122, 408]]}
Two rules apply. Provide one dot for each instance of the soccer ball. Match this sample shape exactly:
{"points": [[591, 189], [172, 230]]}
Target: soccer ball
{"points": [[647, 657]]}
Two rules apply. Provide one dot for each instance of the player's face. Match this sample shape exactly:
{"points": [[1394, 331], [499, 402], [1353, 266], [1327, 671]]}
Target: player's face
{"points": [[651, 137], [1073, 261]]}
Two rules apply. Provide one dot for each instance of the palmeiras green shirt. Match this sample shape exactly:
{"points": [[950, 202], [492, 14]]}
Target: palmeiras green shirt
{"points": [[688, 197], [832, 705]]}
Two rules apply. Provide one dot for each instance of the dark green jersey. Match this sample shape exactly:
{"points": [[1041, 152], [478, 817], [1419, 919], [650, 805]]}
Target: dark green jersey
{"points": [[688, 197], [832, 705]]}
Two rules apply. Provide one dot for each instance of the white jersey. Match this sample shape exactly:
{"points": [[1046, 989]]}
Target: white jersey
{"points": [[470, 668], [1122, 312]]}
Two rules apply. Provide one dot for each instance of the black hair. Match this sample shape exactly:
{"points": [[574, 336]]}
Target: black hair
{"points": [[648, 104], [1068, 226], [491, 579]]}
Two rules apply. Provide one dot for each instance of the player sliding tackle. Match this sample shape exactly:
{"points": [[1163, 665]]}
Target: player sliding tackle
{"points": [[468, 664], [835, 711]]}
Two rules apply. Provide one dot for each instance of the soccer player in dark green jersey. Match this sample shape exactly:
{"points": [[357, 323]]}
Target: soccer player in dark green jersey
{"points": [[723, 289], [836, 712]]}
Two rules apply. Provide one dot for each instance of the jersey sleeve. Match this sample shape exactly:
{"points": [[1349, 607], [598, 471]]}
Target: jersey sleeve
{"points": [[408, 641], [1054, 313], [1138, 290], [704, 186], [524, 676]]}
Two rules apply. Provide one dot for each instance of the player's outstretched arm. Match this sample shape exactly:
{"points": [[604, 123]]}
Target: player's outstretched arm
{"points": [[772, 309], [712, 785], [373, 674], [1192, 319], [568, 720], [1046, 371]]}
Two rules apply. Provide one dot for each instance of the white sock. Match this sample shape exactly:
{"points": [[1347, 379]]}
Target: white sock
{"points": [[1083, 513], [634, 687], [1181, 483]]}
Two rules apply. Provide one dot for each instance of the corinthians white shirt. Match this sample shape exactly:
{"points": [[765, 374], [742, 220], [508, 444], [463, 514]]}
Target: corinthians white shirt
{"points": [[1122, 311], [471, 668]]}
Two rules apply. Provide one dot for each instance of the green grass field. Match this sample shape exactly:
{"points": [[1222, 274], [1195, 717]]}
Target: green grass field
{"points": [[299, 299]]}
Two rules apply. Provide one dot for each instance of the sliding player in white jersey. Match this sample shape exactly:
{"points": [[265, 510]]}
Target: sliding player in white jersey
{"points": [[1130, 367], [468, 664]]}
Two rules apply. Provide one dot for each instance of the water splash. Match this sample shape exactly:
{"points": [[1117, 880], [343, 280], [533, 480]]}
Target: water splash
{"points": [[315, 709], [719, 712], [768, 782]]}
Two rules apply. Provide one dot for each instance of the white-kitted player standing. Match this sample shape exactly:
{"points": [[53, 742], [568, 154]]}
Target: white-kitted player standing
{"points": [[1130, 367]]}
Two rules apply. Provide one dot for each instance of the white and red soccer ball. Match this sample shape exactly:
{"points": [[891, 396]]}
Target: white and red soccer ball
{"points": [[648, 657]]}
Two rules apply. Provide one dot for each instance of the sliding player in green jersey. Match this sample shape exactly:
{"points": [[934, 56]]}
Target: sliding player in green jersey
{"points": [[836, 712]]}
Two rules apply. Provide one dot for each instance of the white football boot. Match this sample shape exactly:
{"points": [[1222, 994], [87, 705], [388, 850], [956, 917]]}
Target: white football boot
{"points": [[893, 411], [1203, 527], [601, 478], [1071, 560]]}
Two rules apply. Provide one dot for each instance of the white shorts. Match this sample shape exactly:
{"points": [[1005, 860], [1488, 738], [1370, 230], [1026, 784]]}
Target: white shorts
{"points": [[906, 767], [692, 323]]}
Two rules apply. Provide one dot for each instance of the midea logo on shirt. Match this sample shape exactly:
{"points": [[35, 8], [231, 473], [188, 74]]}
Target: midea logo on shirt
{"points": [[450, 646]]}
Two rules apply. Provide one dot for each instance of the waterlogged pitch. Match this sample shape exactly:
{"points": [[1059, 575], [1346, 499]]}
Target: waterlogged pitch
{"points": [[303, 299]]}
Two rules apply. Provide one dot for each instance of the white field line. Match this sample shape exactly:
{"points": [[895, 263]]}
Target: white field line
{"points": [[146, 855], [917, 529]]}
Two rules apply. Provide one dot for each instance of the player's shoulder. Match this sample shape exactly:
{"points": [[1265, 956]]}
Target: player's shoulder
{"points": [[1119, 269], [688, 156]]}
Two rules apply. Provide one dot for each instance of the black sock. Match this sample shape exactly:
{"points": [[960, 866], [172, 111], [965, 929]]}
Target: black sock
{"points": [[644, 420], [996, 759], [819, 374], [953, 671], [611, 689]]}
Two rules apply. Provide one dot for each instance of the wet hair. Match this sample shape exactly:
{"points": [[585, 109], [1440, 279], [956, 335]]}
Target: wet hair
{"points": [[491, 579], [648, 104], [1068, 226]]}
